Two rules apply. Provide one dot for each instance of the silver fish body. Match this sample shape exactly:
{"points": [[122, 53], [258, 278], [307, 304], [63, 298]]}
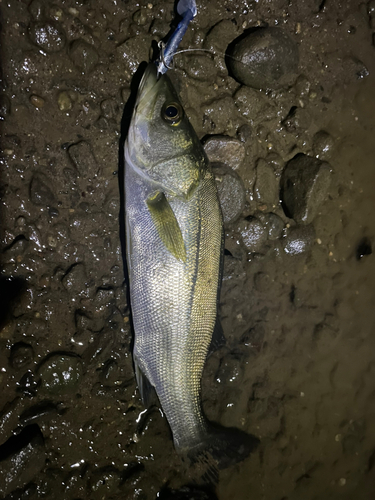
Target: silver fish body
{"points": [[175, 266]]}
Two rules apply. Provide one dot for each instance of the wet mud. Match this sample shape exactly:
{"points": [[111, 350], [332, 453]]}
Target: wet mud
{"points": [[293, 157]]}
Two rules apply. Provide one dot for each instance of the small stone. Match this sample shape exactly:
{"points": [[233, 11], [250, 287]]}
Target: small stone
{"points": [[84, 55], [322, 144], [224, 149], [109, 108], [21, 355], [64, 101], [83, 158], [25, 458], [299, 239], [298, 120], [267, 58], [266, 188], [254, 234], [40, 193], [274, 225], [4, 107], [218, 114], [75, 280], [49, 36], [60, 373], [231, 192], [201, 68], [36, 9], [141, 16], [304, 186], [37, 101], [244, 133]]}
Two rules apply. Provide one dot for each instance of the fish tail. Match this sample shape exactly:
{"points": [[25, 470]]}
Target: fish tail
{"points": [[221, 448]]}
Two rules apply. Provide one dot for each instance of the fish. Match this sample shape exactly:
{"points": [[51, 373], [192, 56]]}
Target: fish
{"points": [[174, 249]]}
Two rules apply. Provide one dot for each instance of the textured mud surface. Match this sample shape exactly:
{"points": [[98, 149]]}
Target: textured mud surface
{"points": [[298, 369]]}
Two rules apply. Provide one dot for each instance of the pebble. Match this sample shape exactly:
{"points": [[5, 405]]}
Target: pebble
{"points": [[245, 132], [231, 192], [64, 101], [253, 233], [201, 68], [299, 239], [304, 186], [4, 107], [48, 36], [218, 114], [224, 149], [40, 193], [21, 355], [83, 158], [83, 55], [322, 144], [37, 101], [298, 120], [109, 108], [264, 59], [60, 373], [266, 188], [274, 225], [75, 280], [36, 9], [24, 459]]}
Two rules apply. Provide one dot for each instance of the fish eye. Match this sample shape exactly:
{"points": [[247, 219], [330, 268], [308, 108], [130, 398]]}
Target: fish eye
{"points": [[172, 113]]}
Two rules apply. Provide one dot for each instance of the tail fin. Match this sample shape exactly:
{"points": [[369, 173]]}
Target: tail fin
{"points": [[223, 447]]}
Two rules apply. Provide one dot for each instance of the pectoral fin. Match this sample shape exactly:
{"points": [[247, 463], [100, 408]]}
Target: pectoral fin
{"points": [[166, 225]]}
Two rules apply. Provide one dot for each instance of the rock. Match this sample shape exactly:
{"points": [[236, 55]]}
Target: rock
{"points": [[266, 58], [83, 55], [218, 114], [109, 108], [322, 144], [266, 188], [304, 186], [201, 68], [231, 192], [224, 149], [83, 158], [21, 355], [253, 233], [75, 280], [60, 373], [37, 101], [40, 193], [48, 36], [187, 493], [273, 223], [64, 101], [245, 132], [299, 239], [24, 459], [364, 248], [298, 120], [4, 107]]}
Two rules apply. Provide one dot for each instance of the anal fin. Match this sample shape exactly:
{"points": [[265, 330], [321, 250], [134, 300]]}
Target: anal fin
{"points": [[146, 389], [218, 339]]}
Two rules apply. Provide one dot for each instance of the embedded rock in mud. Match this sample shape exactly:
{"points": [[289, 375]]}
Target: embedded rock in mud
{"points": [[266, 188], [253, 233], [60, 372], [40, 193], [304, 186], [266, 58], [322, 144], [224, 149], [83, 55], [21, 355], [48, 36], [22, 458], [231, 192], [297, 121], [298, 239], [274, 225], [83, 159]]}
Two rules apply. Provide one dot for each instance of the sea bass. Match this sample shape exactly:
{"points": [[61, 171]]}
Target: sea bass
{"points": [[174, 239]]}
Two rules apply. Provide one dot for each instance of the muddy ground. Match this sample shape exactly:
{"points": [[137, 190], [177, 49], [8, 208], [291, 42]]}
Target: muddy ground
{"points": [[298, 368]]}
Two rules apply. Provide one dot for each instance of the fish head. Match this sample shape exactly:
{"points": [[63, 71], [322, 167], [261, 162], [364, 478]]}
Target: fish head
{"points": [[161, 144]]}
